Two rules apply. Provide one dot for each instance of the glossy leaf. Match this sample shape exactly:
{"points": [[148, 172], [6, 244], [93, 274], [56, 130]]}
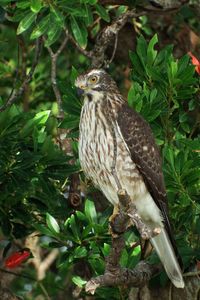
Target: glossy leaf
{"points": [[26, 22], [52, 223], [90, 211], [36, 5], [102, 12], [79, 32], [40, 28]]}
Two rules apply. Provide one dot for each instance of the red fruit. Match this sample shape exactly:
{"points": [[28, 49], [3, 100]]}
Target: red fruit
{"points": [[17, 258], [195, 62]]}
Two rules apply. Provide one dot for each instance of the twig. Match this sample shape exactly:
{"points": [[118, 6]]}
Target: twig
{"points": [[114, 49], [13, 97], [54, 57], [44, 290], [188, 274]]}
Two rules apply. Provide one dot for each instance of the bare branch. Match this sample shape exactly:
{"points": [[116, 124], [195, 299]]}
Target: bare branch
{"points": [[14, 96], [137, 277], [54, 57]]}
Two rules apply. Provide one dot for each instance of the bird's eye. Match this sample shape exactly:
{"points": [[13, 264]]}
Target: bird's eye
{"points": [[93, 79]]}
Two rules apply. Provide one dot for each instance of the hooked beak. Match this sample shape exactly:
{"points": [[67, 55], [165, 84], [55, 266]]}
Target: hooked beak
{"points": [[80, 91]]}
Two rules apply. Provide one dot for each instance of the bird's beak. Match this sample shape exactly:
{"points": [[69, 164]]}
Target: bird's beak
{"points": [[80, 91]]}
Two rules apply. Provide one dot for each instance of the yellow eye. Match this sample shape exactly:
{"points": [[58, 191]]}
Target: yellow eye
{"points": [[93, 79]]}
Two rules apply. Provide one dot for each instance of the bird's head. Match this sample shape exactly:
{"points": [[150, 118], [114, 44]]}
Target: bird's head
{"points": [[94, 81]]}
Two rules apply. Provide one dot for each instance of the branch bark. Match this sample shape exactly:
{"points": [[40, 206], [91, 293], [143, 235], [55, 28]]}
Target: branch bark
{"points": [[16, 94], [107, 34]]}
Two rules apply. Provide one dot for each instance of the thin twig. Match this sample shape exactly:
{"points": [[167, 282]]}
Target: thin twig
{"points": [[14, 96], [54, 57], [114, 49], [195, 273], [44, 290]]}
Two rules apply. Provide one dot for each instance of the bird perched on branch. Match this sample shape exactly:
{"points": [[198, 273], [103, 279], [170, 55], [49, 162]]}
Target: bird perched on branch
{"points": [[117, 150]]}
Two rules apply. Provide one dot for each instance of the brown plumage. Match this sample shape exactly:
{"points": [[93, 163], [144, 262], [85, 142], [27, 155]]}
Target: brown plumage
{"points": [[107, 121]]}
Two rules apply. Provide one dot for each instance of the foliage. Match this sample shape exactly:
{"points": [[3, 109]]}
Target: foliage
{"points": [[36, 174]]}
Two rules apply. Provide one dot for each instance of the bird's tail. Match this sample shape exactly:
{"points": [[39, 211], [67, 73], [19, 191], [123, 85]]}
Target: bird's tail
{"points": [[164, 249]]}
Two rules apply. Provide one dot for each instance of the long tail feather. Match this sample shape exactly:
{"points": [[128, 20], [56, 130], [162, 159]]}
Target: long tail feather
{"points": [[165, 251]]}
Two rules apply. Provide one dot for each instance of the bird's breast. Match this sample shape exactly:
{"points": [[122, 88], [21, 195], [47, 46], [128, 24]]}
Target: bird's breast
{"points": [[95, 142]]}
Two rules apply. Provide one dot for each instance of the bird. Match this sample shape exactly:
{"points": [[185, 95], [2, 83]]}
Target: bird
{"points": [[111, 131]]}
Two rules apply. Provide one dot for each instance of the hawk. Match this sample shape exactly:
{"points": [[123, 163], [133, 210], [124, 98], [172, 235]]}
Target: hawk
{"points": [[111, 130]]}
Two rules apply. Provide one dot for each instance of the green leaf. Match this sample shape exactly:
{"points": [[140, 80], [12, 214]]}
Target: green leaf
{"points": [[73, 75], [141, 50], [136, 62], [90, 211], [79, 32], [106, 249], [80, 252], [58, 16], [53, 32], [74, 228], [4, 2], [151, 53], [70, 122], [153, 95], [23, 4], [26, 22], [36, 5], [39, 120], [102, 12], [89, 16], [52, 223], [40, 28], [79, 281]]}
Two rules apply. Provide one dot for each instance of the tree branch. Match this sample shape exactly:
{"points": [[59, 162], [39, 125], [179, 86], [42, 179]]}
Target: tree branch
{"points": [[54, 57], [116, 276], [14, 96], [107, 34]]}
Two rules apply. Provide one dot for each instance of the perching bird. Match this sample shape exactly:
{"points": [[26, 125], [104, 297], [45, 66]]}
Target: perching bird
{"points": [[110, 129]]}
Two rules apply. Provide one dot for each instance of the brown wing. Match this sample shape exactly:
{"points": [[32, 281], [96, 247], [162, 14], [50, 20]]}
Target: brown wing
{"points": [[145, 154], [144, 151]]}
